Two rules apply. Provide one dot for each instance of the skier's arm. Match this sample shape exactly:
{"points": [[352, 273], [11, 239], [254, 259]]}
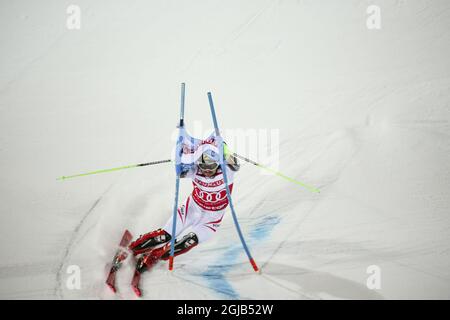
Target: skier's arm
{"points": [[186, 170], [232, 161]]}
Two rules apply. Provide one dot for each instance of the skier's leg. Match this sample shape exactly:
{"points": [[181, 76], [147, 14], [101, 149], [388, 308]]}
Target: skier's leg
{"points": [[186, 215], [148, 241], [205, 225], [183, 245], [208, 225], [152, 239]]}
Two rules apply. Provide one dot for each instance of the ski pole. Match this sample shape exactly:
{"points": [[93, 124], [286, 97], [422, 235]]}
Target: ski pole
{"points": [[281, 175], [227, 188], [114, 169], [177, 181]]}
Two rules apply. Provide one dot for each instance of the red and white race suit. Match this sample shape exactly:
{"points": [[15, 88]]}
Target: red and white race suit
{"points": [[203, 210]]}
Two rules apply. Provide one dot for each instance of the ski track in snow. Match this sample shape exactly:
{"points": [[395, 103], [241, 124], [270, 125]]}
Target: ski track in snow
{"points": [[73, 238], [215, 275]]}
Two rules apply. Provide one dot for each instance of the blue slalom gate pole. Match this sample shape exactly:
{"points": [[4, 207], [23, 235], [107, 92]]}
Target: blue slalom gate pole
{"points": [[177, 181], [227, 188]]}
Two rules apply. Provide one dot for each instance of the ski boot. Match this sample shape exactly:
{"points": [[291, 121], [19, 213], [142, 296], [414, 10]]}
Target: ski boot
{"points": [[148, 241], [149, 259]]}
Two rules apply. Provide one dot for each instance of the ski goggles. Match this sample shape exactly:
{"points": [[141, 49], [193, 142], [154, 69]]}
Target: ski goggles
{"points": [[208, 167]]}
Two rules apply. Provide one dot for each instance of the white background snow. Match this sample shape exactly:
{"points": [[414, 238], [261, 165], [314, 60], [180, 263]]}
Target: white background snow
{"points": [[362, 114]]}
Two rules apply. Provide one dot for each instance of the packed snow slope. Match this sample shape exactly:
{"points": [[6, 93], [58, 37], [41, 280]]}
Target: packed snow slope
{"points": [[361, 114]]}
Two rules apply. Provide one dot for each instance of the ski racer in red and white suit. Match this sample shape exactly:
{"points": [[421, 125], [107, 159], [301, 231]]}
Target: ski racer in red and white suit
{"points": [[201, 213]]}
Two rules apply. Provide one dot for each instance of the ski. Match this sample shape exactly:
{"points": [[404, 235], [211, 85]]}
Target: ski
{"points": [[141, 266], [145, 263], [135, 283], [119, 257]]}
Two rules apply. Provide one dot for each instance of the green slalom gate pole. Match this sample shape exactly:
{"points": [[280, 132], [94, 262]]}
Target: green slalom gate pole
{"points": [[114, 169]]}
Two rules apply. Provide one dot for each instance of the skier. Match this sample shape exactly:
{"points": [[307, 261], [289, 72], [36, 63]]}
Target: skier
{"points": [[202, 212]]}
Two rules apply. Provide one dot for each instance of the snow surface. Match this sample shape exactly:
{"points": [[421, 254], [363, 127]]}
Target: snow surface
{"points": [[362, 114]]}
